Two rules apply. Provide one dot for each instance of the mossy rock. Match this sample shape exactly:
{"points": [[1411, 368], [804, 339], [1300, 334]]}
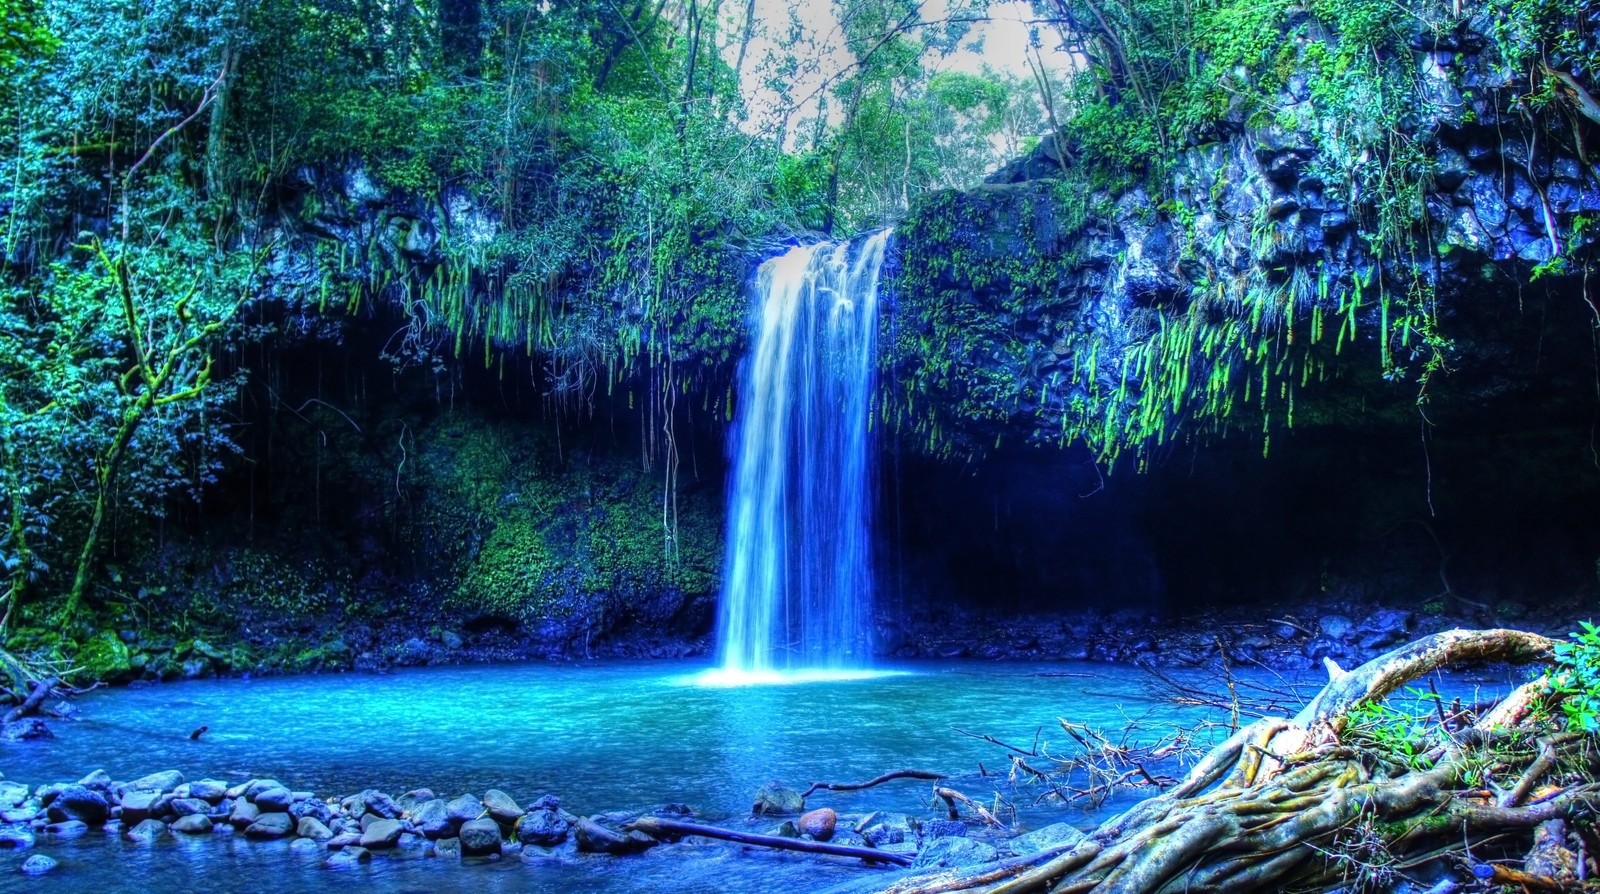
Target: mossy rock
{"points": [[105, 657]]}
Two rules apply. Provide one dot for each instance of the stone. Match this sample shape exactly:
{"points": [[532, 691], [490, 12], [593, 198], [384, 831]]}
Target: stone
{"points": [[543, 827], [344, 840], [273, 800], [66, 830], [23, 814], [1336, 627], [480, 837], [255, 787], [943, 829], [502, 808], [38, 864], [348, 858], [311, 827], [447, 847], [819, 823], [189, 806], [954, 853], [243, 815], [774, 799], [377, 803], [99, 780], [28, 729], [465, 809], [305, 844], [146, 831], [432, 819], [270, 825], [164, 781], [138, 806], [13, 793], [311, 807], [211, 791], [13, 838], [77, 802], [1053, 835], [382, 834], [410, 801], [193, 824], [880, 829]]}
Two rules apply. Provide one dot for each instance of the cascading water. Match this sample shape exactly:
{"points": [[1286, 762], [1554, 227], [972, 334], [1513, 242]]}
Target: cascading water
{"points": [[797, 578]]}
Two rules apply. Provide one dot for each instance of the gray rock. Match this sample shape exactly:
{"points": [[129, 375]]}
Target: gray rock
{"points": [[189, 806], [313, 828], [209, 790], [952, 853], [544, 827], [38, 864], [99, 780], [432, 819], [943, 829], [137, 806], [270, 825], [502, 808], [882, 829], [1053, 835], [146, 831], [243, 815], [28, 729], [13, 838], [164, 781], [410, 801], [1336, 627], [273, 800], [465, 809], [382, 834], [13, 793], [77, 802], [193, 824], [255, 787], [344, 840], [774, 799], [448, 847], [305, 844], [311, 807], [376, 803], [349, 858], [594, 838], [480, 837]]}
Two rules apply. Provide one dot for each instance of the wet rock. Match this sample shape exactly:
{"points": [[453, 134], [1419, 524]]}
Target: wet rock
{"points": [[76, 802], [313, 828], [273, 800], [1054, 835], [349, 858], [774, 799], [480, 838], [164, 781], [211, 791], [376, 803], [146, 831], [882, 829], [1336, 627], [544, 827], [410, 801], [432, 819], [313, 808], [465, 809], [502, 808], [189, 806], [304, 844], [382, 834], [38, 864], [12, 793], [819, 823], [270, 825], [28, 729], [13, 838], [193, 824], [943, 829], [139, 806], [254, 787], [344, 840], [243, 815], [99, 780], [954, 853], [67, 830]]}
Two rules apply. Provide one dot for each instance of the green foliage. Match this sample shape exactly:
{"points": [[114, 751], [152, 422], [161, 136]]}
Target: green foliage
{"points": [[104, 657], [1577, 678]]}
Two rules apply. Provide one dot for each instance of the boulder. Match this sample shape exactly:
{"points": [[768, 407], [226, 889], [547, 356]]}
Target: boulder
{"points": [[774, 799], [502, 808], [28, 729], [465, 809], [210, 791], [189, 806], [77, 802], [12, 838], [943, 829], [543, 827], [480, 838], [271, 825], [313, 828], [138, 806], [415, 798], [273, 800], [344, 840], [1336, 627], [255, 787], [305, 844], [146, 831], [432, 819], [1053, 835], [376, 803], [953, 852], [192, 824], [243, 815], [819, 823], [381, 834], [311, 807], [594, 838]]}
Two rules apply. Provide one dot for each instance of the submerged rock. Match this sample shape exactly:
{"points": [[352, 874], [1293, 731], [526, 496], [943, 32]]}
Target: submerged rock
{"points": [[38, 864], [193, 824], [775, 799], [146, 831]]}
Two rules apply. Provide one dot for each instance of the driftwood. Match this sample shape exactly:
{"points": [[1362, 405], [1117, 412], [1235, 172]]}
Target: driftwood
{"points": [[878, 780], [671, 830], [1311, 802], [41, 691]]}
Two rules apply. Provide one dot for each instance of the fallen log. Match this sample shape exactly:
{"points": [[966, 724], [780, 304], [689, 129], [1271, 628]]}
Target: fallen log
{"points": [[670, 830], [41, 691], [878, 780]]}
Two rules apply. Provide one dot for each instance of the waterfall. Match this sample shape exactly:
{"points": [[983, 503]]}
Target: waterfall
{"points": [[797, 577]]}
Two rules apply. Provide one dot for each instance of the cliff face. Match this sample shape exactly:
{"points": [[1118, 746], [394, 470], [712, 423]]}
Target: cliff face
{"points": [[1299, 267]]}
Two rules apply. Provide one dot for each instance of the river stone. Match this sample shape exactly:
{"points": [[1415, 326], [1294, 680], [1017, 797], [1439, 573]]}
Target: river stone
{"points": [[163, 782], [1336, 627], [28, 729], [138, 806], [594, 838], [146, 831], [67, 830], [12, 794], [502, 809], [350, 856], [465, 809], [311, 827], [13, 838], [953, 853], [99, 780], [244, 814], [344, 840], [776, 800], [1050, 836], [432, 818], [24, 814], [543, 828], [311, 807], [77, 802], [943, 829], [192, 824], [190, 806], [271, 825], [480, 837], [381, 834], [410, 801], [256, 786], [274, 800], [880, 829], [374, 802], [304, 844], [209, 790], [38, 864], [447, 847], [819, 823]]}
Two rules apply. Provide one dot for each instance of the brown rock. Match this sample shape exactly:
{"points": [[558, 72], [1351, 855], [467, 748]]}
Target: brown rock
{"points": [[819, 823]]}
